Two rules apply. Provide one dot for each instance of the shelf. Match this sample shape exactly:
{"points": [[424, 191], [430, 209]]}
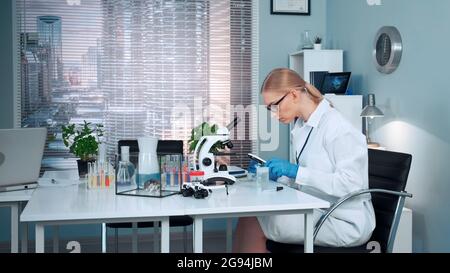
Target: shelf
{"points": [[301, 52]]}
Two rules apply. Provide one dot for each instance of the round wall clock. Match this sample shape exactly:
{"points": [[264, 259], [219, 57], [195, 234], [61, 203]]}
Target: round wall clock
{"points": [[387, 49]]}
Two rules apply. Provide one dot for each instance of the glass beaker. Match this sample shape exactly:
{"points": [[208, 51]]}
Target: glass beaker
{"points": [[126, 178], [123, 174], [262, 177], [306, 42]]}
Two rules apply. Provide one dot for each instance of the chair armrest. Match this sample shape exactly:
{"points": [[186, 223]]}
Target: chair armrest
{"points": [[352, 195]]}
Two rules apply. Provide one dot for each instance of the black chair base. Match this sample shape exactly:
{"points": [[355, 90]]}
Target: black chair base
{"points": [[275, 247]]}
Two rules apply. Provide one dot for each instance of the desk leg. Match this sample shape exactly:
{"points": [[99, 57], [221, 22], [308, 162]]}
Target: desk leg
{"points": [[309, 244], [55, 239], [165, 235], [40, 238], [24, 239], [198, 235], [134, 238], [24, 230], [15, 228], [229, 234], [104, 237], [155, 237]]}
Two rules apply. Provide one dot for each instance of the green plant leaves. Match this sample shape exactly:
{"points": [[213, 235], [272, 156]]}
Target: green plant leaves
{"points": [[83, 141], [204, 129]]}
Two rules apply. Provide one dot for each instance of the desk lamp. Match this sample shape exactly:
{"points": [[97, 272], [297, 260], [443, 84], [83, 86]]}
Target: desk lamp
{"points": [[371, 111]]}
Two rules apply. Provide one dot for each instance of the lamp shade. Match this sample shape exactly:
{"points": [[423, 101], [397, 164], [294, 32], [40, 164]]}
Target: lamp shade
{"points": [[371, 111]]}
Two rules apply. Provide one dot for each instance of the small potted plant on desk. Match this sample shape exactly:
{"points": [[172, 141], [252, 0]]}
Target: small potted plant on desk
{"points": [[83, 142], [318, 43]]}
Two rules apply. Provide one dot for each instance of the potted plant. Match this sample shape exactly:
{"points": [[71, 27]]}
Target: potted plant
{"points": [[83, 142], [204, 129], [318, 43]]}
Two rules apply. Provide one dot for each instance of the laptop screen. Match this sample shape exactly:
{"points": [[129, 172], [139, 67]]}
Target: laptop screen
{"points": [[335, 83]]}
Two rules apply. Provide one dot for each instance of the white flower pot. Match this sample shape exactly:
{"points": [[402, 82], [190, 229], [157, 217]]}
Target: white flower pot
{"points": [[317, 46]]}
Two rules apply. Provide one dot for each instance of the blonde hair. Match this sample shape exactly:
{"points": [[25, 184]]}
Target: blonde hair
{"points": [[281, 79]]}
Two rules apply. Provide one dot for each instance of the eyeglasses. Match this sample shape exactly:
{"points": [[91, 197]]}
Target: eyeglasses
{"points": [[271, 107]]}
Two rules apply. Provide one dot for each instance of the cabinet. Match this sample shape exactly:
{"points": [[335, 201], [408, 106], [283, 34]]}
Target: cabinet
{"points": [[403, 238], [349, 106], [306, 61]]}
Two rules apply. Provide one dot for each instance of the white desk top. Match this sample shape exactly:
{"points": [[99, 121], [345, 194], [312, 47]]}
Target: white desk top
{"points": [[77, 203], [74, 203], [16, 196], [245, 197]]}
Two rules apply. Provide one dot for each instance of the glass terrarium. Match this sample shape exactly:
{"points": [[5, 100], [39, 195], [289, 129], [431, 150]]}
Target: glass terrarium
{"points": [[166, 181]]}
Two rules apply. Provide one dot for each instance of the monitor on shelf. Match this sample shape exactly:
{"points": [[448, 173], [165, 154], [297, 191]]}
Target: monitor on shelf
{"points": [[316, 78], [335, 83]]}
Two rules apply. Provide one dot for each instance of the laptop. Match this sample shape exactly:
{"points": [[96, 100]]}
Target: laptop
{"points": [[335, 83], [21, 153]]}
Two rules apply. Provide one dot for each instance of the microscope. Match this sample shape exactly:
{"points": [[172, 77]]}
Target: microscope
{"points": [[206, 161]]}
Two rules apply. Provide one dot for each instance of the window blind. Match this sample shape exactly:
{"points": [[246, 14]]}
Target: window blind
{"points": [[140, 67]]}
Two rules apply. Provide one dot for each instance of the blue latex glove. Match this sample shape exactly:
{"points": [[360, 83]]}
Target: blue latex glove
{"points": [[281, 167], [252, 166]]}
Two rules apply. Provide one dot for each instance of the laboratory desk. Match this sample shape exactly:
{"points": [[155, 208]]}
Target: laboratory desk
{"points": [[16, 200], [245, 199], [78, 205]]}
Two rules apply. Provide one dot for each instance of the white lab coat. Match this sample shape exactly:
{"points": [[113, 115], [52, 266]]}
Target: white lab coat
{"points": [[335, 162]]}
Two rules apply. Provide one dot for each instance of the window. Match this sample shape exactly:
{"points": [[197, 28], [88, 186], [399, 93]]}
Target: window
{"points": [[140, 67]]}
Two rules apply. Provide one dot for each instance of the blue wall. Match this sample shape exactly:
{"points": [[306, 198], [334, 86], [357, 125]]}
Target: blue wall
{"points": [[415, 98], [279, 36], [6, 61]]}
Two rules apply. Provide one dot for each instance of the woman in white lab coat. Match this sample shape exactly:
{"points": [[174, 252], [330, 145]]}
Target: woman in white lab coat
{"points": [[331, 156]]}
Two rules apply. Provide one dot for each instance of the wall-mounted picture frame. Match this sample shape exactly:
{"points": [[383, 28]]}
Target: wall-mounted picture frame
{"points": [[290, 7]]}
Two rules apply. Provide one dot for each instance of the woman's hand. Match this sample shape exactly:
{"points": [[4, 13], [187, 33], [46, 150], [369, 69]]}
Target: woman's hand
{"points": [[281, 167]]}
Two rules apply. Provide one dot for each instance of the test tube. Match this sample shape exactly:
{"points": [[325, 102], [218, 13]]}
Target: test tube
{"points": [[94, 176], [167, 170], [163, 170], [186, 169], [173, 171], [89, 176], [107, 182], [97, 172], [179, 169], [100, 174], [112, 175]]}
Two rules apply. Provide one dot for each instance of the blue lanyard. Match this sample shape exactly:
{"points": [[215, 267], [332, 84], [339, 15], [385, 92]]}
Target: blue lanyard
{"points": [[304, 145]]}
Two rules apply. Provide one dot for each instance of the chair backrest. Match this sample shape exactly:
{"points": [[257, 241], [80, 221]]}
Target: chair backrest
{"points": [[389, 171], [164, 147]]}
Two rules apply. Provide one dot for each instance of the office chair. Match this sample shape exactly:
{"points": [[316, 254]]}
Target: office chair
{"points": [[164, 147], [388, 174]]}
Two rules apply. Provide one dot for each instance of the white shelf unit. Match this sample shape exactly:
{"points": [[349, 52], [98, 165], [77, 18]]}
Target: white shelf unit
{"points": [[305, 61], [349, 106]]}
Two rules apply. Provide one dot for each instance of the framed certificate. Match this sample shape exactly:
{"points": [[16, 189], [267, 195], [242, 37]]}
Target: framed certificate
{"points": [[293, 7]]}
